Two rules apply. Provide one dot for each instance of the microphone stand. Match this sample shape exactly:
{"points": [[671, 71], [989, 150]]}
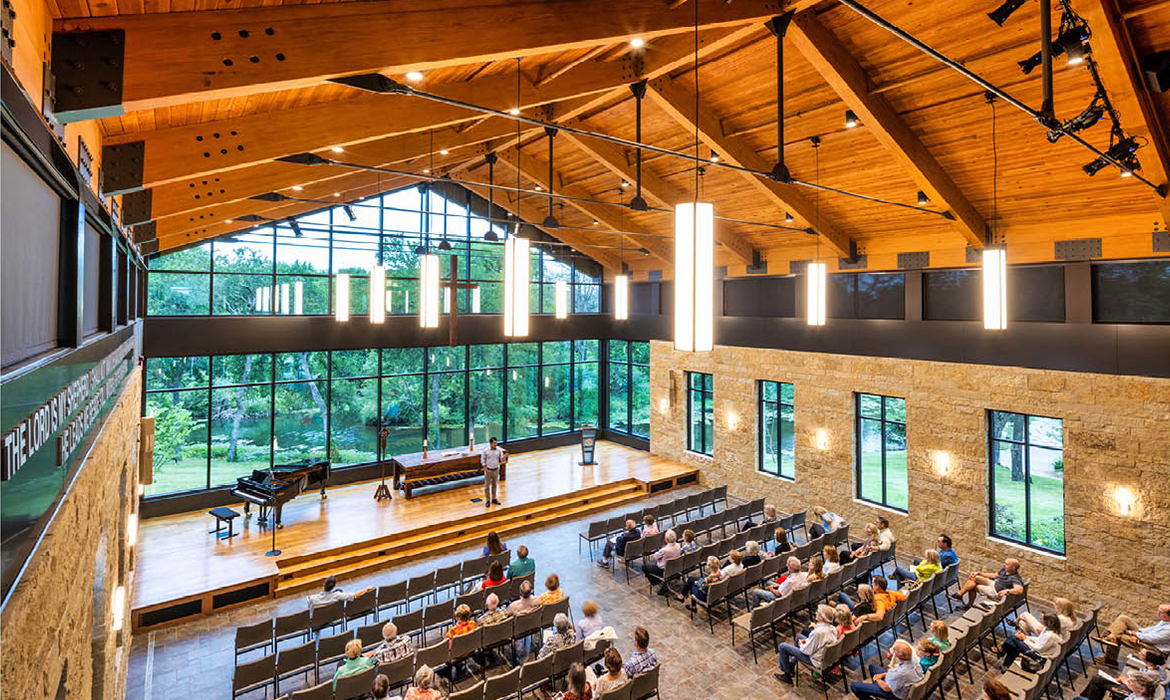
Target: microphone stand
{"points": [[273, 522]]}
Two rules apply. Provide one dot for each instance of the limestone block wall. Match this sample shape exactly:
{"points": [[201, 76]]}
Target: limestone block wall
{"points": [[1116, 434], [58, 625]]}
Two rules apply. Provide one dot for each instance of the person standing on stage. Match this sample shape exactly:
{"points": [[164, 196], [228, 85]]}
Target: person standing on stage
{"points": [[491, 459]]}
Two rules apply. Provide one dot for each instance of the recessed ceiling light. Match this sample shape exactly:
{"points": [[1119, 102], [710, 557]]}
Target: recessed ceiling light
{"points": [[426, 170], [625, 184], [297, 188], [538, 188], [595, 222], [337, 149], [414, 76], [637, 42], [336, 194], [1127, 173], [514, 111], [443, 151], [228, 221], [850, 119], [714, 157]]}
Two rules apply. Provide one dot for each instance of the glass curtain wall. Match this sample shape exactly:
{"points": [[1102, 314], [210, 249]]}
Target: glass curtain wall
{"points": [[629, 387]]}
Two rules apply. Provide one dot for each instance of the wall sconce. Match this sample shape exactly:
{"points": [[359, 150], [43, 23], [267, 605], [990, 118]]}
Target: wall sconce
{"points": [[1125, 500], [132, 530], [732, 420], [821, 439], [141, 490], [663, 404], [119, 608], [942, 462]]}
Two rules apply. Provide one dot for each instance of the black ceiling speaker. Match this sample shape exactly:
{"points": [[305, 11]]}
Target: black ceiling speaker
{"points": [[1156, 66]]}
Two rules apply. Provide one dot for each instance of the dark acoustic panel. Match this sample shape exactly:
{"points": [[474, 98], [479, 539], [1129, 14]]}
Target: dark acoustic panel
{"points": [[952, 295], [762, 296], [1036, 293], [1137, 292]]}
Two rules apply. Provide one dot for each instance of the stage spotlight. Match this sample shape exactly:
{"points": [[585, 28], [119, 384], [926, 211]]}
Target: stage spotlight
{"points": [[923, 200], [850, 119], [1076, 55], [1070, 39], [349, 212], [1000, 14], [414, 76], [787, 217], [1087, 118], [1130, 164], [637, 42], [1122, 151]]}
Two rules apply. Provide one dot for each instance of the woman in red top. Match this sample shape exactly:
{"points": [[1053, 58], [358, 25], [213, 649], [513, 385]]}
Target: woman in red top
{"points": [[578, 688], [495, 575]]}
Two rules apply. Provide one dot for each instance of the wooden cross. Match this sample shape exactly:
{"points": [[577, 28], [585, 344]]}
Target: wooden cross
{"points": [[454, 285]]}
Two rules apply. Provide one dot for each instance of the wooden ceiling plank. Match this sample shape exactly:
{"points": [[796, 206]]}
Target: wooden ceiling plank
{"points": [[159, 70], [1117, 62], [536, 169], [616, 160], [848, 79], [679, 104]]}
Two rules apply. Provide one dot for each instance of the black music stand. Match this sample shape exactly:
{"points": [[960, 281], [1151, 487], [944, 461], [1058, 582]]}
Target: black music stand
{"points": [[273, 523], [382, 493]]}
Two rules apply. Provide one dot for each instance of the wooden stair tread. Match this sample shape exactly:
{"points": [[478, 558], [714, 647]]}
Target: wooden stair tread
{"points": [[291, 583]]}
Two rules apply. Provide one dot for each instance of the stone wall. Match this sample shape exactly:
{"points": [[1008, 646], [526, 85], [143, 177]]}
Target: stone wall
{"points": [[57, 627], [1116, 435]]}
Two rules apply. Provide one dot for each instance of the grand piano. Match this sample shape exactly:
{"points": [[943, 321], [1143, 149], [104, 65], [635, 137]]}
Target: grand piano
{"points": [[270, 490]]}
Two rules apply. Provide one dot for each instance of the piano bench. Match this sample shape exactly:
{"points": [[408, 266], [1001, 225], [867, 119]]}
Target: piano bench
{"points": [[223, 515]]}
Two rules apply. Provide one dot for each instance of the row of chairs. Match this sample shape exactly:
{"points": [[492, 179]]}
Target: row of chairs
{"points": [[674, 511], [718, 545]]}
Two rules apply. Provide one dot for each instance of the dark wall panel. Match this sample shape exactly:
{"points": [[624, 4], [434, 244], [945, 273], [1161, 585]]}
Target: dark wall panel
{"points": [[760, 296], [1036, 293], [952, 295], [1137, 292], [91, 281]]}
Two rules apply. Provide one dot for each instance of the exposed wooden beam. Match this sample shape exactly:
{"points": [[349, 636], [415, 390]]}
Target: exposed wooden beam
{"points": [[616, 160], [588, 55], [1117, 62], [848, 79], [536, 169], [679, 103], [226, 53]]}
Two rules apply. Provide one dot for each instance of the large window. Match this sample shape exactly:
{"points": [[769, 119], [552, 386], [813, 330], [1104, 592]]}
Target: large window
{"points": [[1026, 456], [219, 418], [278, 269], [881, 450], [700, 413], [629, 387], [777, 429]]}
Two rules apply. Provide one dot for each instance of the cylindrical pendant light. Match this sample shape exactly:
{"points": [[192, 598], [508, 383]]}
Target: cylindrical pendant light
{"points": [[516, 272], [299, 298], [378, 294], [341, 297], [694, 276], [995, 289], [266, 299], [621, 297], [562, 299], [428, 291], [475, 300], [816, 294], [259, 298], [389, 301], [284, 305], [446, 300]]}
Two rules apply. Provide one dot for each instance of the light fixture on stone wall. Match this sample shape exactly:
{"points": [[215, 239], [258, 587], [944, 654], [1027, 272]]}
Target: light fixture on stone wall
{"points": [[119, 608], [942, 462], [132, 530], [732, 421], [378, 294], [428, 291], [341, 297], [694, 276], [821, 439], [663, 405], [516, 280], [562, 299], [994, 288], [1125, 500]]}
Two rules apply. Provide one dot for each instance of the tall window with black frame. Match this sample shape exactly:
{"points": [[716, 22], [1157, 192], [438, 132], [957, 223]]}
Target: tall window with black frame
{"points": [[777, 429], [700, 413], [881, 450], [1026, 479]]}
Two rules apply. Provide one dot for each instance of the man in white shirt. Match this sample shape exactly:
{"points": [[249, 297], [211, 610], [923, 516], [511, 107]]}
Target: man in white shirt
{"points": [[885, 534], [491, 459], [330, 593], [1124, 630], [793, 581], [811, 650]]}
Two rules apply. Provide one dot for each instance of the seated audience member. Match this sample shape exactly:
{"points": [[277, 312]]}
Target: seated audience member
{"points": [[1045, 645], [562, 636], [354, 661], [751, 554], [1142, 685], [1125, 631], [653, 569], [928, 653], [392, 647], [577, 688], [829, 521], [734, 564], [923, 570], [495, 576], [463, 623], [895, 683], [864, 604], [330, 593], [995, 586], [886, 536], [769, 517], [946, 551], [843, 619], [590, 621], [812, 648], [552, 592], [527, 602], [522, 565], [494, 546], [794, 580], [993, 689], [870, 543], [643, 659], [618, 544], [689, 543], [815, 530], [940, 634], [492, 612], [1154, 663], [424, 677], [884, 599], [1064, 610], [649, 525], [615, 676], [832, 559], [816, 570], [381, 687], [697, 588], [783, 546]]}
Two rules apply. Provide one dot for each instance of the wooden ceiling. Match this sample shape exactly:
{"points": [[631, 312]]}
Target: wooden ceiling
{"points": [[212, 130]]}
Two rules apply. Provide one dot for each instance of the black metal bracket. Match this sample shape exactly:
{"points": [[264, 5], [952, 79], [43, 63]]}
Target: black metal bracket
{"points": [[145, 232], [137, 207], [122, 167], [373, 82], [304, 159], [858, 262], [7, 31], [87, 71]]}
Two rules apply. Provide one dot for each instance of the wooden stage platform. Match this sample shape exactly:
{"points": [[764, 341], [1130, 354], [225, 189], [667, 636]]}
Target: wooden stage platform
{"points": [[183, 572]]}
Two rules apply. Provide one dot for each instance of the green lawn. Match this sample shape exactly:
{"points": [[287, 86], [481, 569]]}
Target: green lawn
{"points": [[1047, 509], [896, 487]]}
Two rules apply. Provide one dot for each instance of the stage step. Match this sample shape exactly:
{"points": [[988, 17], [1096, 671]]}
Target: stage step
{"points": [[306, 573]]}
